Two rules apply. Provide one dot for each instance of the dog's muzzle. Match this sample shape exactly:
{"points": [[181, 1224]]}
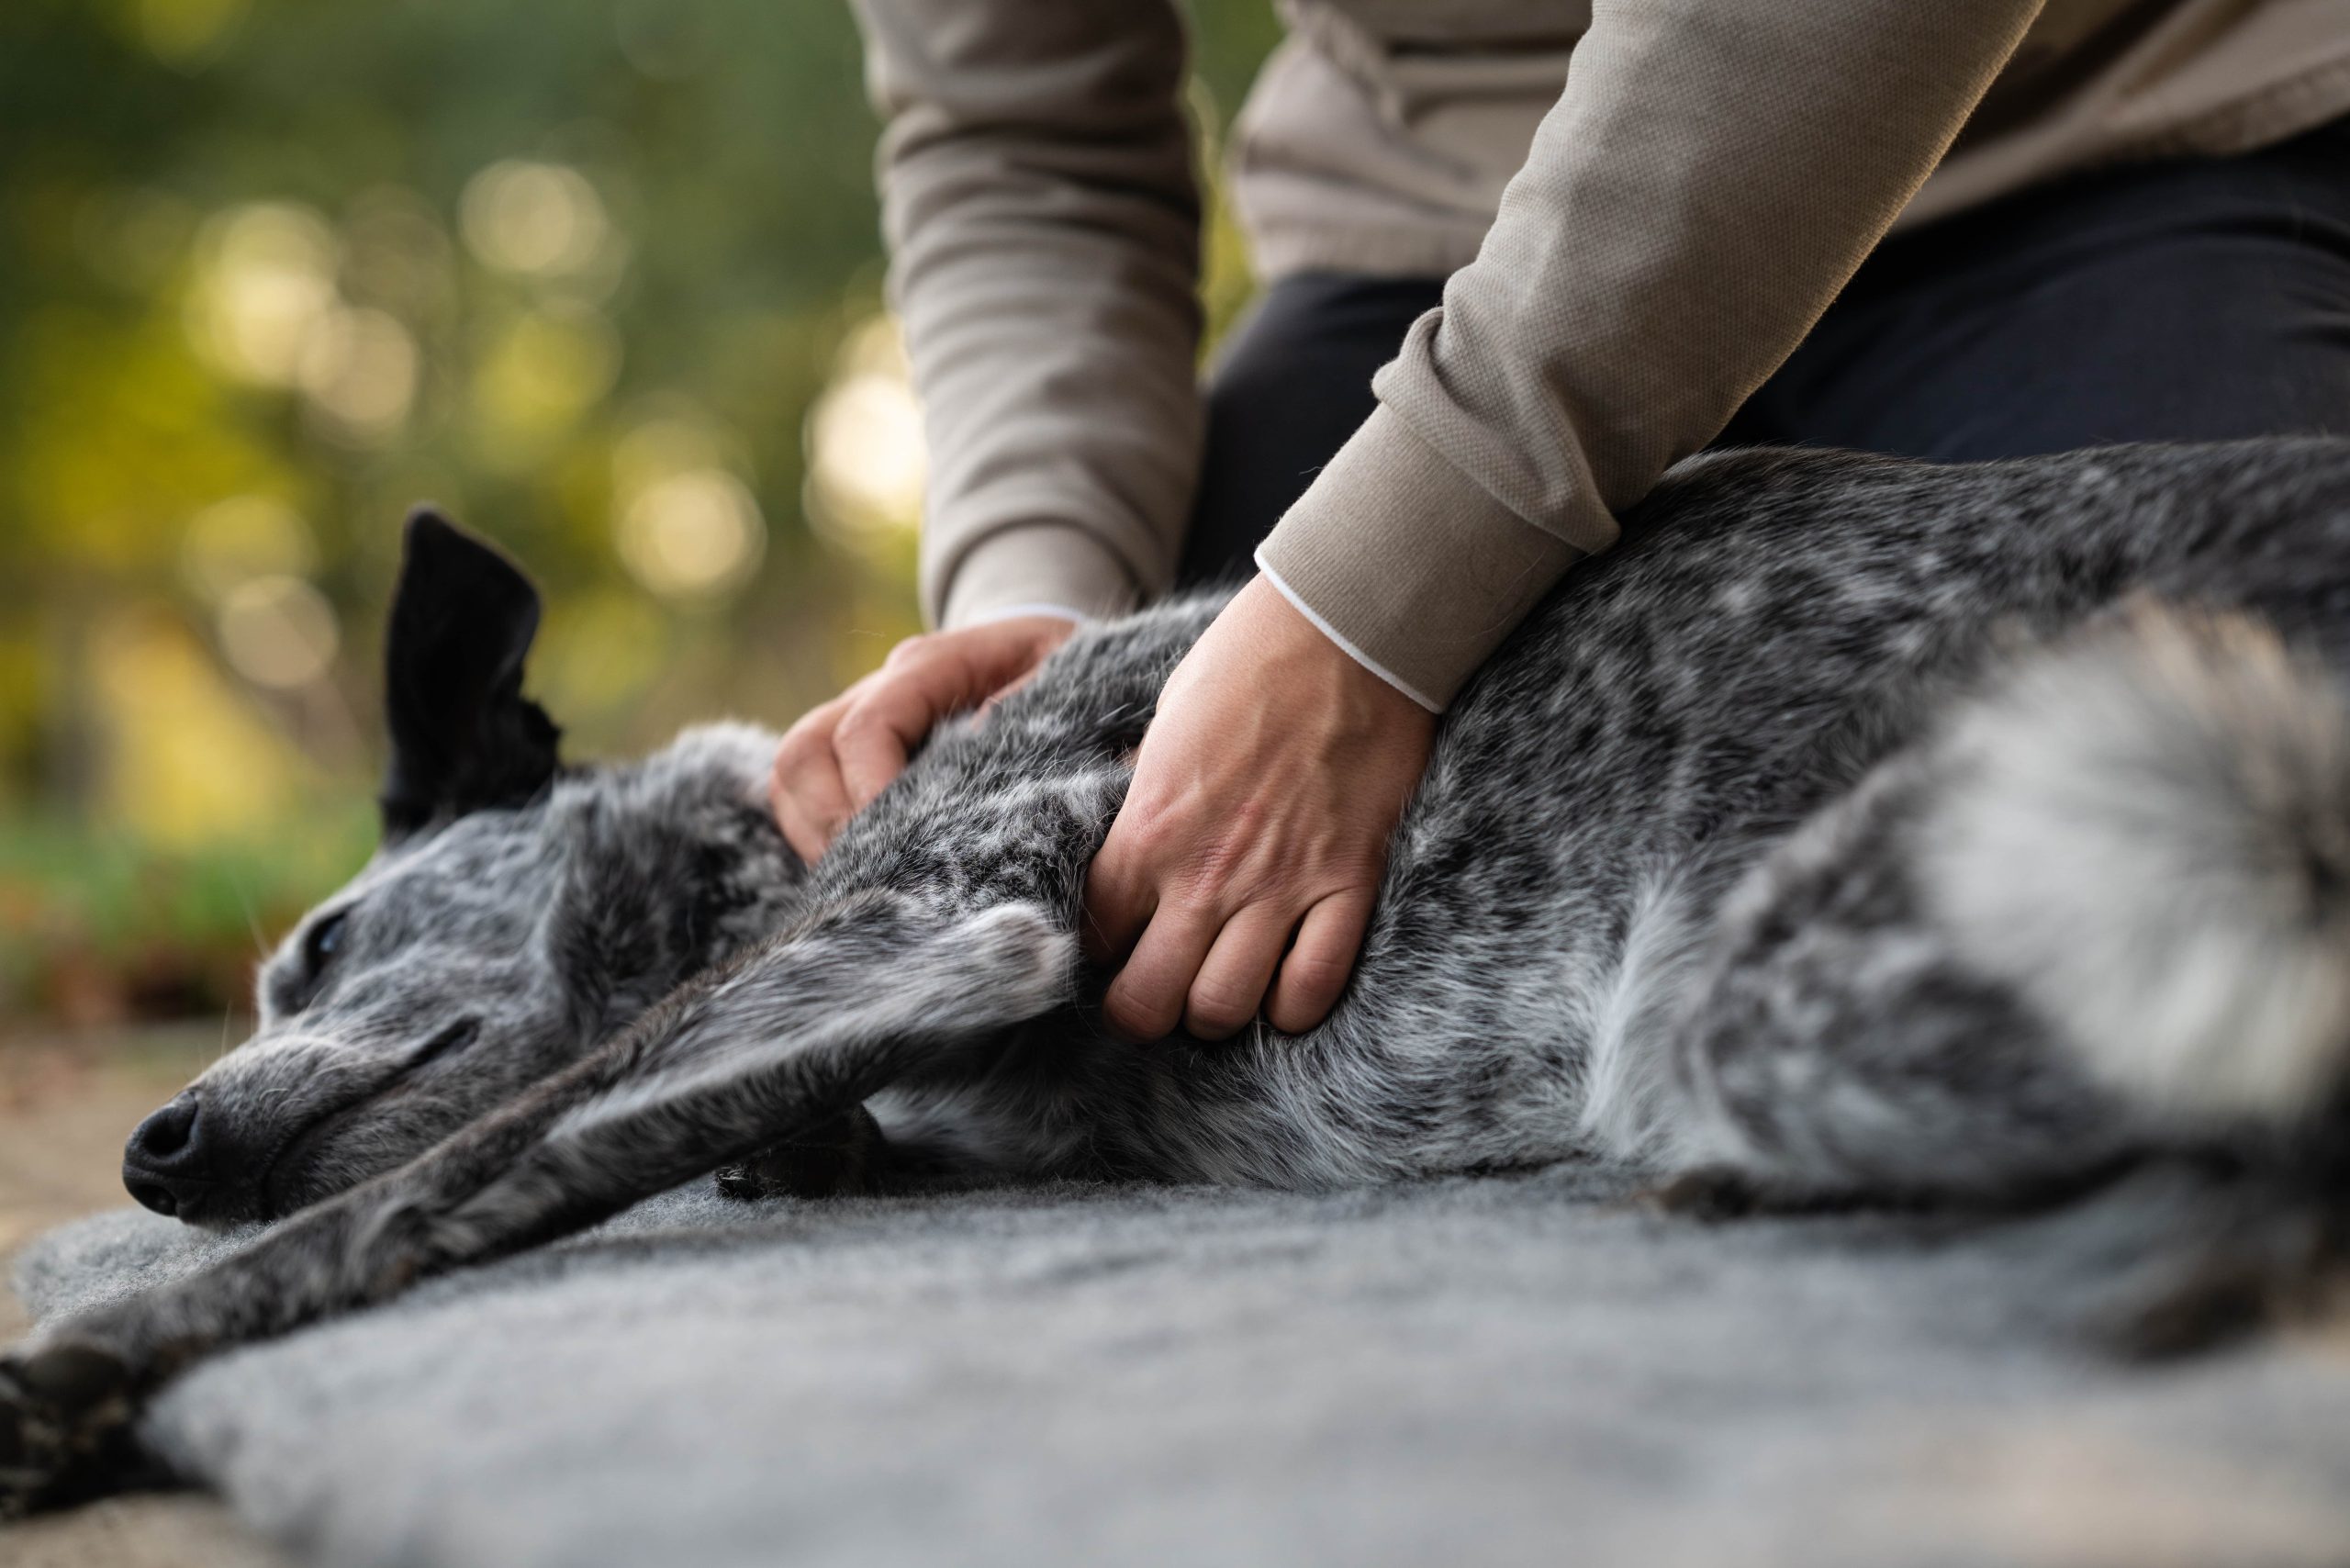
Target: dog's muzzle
{"points": [[167, 1165]]}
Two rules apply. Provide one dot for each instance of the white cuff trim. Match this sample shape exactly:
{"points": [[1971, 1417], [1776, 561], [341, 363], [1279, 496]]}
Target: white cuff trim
{"points": [[1060, 611], [1344, 646]]}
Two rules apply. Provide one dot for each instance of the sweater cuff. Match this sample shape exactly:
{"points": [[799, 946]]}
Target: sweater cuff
{"points": [[1408, 563], [1037, 567]]}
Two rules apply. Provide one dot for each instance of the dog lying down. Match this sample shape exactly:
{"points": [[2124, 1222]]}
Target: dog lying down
{"points": [[1858, 832]]}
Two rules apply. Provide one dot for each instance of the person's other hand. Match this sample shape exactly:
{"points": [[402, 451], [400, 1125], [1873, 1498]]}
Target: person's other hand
{"points": [[838, 757], [1241, 869]]}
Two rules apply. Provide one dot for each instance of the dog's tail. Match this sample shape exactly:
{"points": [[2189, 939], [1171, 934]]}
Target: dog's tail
{"points": [[2148, 835]]}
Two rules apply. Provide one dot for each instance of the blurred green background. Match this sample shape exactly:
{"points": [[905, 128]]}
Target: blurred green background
{"points": [[600, 277]]}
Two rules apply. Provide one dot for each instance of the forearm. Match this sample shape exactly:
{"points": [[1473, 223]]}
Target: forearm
{"points": [[1712, 176], [1044, 226]]}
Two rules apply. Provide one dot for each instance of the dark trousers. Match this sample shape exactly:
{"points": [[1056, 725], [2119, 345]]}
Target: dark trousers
{"points": [[2196, 300]]}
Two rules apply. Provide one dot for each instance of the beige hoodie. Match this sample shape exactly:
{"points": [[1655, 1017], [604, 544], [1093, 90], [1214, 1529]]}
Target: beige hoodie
{"points": [[1643, 206]]}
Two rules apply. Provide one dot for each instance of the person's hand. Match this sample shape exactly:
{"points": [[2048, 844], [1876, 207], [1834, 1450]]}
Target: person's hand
{"points": [[1254, 835], [838, 757]]}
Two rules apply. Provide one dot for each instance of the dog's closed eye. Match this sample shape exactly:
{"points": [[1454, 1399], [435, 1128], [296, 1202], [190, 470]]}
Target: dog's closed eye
{"points": [[293, 989], [318, 949]]}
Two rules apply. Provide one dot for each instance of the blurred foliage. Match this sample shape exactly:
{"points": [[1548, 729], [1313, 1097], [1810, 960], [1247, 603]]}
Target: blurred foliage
{"points": [[600, 277]]}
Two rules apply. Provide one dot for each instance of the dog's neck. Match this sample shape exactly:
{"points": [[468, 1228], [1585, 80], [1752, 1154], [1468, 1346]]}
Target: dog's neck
{"points": [[743, 882], [751, 884], [690, 868]]}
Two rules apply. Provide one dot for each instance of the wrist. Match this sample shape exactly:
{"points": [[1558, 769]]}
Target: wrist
{"points": [[1302, 662], [1043, 609], [1340, 640], [1409, 562]]}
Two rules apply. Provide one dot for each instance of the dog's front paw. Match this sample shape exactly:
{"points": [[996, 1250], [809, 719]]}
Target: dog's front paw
{"points": [[836, 1160], [1710, 1192], [2287, 1264], [66, 1415]]}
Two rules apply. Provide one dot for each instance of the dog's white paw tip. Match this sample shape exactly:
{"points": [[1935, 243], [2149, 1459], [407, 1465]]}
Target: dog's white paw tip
{"points": [[1035, 952]]}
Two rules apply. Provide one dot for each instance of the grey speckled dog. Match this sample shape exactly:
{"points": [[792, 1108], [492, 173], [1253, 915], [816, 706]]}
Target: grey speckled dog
{"points": [[1859, 831]]}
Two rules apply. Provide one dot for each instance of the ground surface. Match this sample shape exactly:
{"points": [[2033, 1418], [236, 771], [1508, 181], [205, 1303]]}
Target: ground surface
{"points": [[64, 1109], [1524, 1369], [1508, 1371]]}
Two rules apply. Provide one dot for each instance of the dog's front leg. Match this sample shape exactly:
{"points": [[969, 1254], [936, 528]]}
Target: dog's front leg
{"points": [[797, 1031]]}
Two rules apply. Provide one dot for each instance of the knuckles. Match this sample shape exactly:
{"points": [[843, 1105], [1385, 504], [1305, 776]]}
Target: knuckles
{"points": [[1306, 993], [859, 722], [1214, 1013], [801, 746], [1316, 978], [1138, 1018], [1294, 1018]]}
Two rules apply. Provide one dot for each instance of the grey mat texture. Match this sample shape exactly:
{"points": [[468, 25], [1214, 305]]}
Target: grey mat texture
{"points": [[1525, 1369]]}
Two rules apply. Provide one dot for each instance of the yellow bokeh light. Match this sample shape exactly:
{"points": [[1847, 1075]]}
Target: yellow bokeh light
{"points": [[677, 440], [230, 543], [541, 375], [867, 460], [187, 32], [268, 278], [187, 763], [692, 535], [539, 220], [279, 632], [360, 368], [599, 651]]}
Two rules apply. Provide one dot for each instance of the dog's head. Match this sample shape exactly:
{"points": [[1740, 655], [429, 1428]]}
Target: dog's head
{"points": [[517, 912]]}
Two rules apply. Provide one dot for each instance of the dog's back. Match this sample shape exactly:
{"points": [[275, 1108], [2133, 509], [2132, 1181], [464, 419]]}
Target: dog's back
{"points": [[1699, 870]]}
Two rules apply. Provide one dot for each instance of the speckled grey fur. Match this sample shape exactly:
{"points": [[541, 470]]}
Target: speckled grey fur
{"points": [[1677, 893]]}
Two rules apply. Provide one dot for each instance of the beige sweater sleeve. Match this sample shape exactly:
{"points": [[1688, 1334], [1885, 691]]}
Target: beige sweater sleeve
{"points": [[1713, 173], [1044, 225]]}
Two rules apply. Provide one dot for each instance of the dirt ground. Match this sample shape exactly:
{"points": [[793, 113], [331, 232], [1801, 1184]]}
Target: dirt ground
{"points": [[66, 1107]]}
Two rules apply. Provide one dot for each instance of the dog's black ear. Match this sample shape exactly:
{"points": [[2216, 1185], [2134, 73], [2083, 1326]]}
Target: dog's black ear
{"points": [[463, 737]]}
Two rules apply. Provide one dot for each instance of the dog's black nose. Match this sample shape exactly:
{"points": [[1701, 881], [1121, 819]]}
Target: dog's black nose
{"points": [[164, 1164]]}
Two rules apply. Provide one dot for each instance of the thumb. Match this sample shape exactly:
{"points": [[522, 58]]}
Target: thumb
{"points": [[882, 728]]}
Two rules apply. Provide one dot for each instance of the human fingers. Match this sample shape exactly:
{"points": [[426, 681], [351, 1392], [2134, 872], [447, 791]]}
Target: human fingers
{"points": [[1315, 971], [1146, 1001], [906, 697], [1120, 895], [805, 790], [928, 677], [1232, 980]]}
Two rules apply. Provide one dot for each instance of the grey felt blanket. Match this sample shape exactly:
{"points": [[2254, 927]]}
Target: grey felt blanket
{"points": [[1505, 1371]]}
